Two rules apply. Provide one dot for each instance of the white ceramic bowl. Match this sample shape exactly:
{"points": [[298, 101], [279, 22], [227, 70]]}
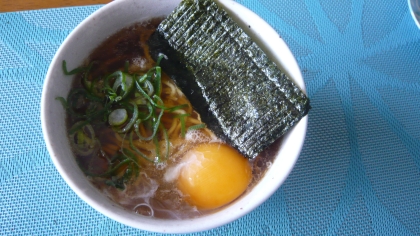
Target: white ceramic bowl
{"points": [[87, 36], [414, 6]]}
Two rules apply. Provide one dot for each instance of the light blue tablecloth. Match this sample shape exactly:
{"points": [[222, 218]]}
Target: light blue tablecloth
{"points": [[358, 173]]}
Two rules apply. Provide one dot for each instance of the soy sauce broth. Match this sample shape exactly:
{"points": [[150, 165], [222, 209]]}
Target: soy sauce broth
{"points": [[151, 194]]}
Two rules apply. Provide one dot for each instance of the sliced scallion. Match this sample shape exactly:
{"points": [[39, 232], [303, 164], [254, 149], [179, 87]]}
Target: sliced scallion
{"points": [[83, 140], [132, 120], [182, 120], [196, 127], [118, 117], [144, 156], [125, 110], [155, 128], [72, 72]]}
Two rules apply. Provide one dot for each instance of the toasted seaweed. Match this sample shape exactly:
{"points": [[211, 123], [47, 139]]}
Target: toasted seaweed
{"points": [[242, 96]]}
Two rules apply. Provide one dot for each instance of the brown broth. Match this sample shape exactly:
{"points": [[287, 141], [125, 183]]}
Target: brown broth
{"points": [[149, 189]]}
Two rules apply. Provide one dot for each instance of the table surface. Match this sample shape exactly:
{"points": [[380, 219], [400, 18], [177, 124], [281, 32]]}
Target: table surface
{"points": [[20, 5], [359, 169]]}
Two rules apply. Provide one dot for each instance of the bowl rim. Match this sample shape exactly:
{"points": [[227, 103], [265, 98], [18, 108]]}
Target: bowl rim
{"points": [[416, 18], [235, 210]]}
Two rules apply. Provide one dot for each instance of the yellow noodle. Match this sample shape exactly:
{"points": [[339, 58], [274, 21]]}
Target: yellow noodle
{"points": [[166, 90], [173, 126], [142, 130], [178, 128], [179, 92], [143, 145], [173, 98], [180, 112], [171, 86], [193, 121], [119, 138], [110, 149]]}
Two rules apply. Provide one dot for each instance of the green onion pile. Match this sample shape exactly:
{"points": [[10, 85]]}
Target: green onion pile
{"points": [[124, 101]]}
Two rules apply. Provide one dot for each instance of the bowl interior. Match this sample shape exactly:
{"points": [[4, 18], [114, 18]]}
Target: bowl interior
{"points": [[77, 47]]}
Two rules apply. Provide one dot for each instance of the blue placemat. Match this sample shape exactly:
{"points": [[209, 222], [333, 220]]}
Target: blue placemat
{"points": [[359, 171]]}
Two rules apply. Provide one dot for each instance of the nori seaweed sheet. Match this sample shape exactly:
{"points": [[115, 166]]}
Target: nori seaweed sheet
{"points": [[239, 93]]}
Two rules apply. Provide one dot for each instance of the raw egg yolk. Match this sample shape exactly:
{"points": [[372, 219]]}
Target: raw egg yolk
{"points": [[214, 174]]}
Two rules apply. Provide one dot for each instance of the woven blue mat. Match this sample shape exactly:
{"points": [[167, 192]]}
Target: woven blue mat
{"points": [[358, 173]]}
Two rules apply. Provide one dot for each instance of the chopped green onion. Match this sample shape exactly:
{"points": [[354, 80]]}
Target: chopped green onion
{"points": [[157, 82], [83, 141], [108, 172], [122, 80], [114, 104], [182, 121], [84, 93], [117, 117], [144, 77], [136, 149], [160, 57], [63, 102], [139, 99], [88, 84], [155, 128], [169, 109], [127, 153], [132, 120], [78, 126], [196, 127], [150, 108], [72, 72], [149, 87]]}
